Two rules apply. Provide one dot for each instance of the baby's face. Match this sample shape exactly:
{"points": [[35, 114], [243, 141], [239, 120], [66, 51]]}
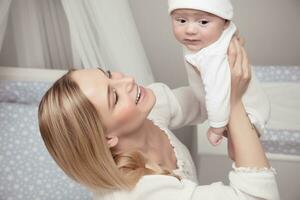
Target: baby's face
{"points": [[196, 29]]}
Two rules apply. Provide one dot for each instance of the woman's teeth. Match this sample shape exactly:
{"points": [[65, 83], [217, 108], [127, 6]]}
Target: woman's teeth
{"points": [[138, 95]]}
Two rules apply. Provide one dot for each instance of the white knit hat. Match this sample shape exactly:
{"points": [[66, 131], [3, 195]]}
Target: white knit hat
{"points": [[221, 8]]}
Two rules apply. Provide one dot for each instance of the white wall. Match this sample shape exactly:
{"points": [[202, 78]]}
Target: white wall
{"points": [[272, 30]]}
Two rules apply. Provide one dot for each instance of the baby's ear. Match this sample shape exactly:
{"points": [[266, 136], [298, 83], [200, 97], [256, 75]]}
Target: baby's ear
{"points": [[227, 22], [112, 141]]}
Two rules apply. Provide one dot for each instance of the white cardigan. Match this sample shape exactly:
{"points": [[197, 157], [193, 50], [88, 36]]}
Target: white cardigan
{"points": [[175, 109]]}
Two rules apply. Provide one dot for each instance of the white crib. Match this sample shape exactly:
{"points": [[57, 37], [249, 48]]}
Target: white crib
{"points": [[282, 137]]}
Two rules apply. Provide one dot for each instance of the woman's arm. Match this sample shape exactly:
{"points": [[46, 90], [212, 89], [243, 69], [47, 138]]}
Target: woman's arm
{"points": [[246, 149]]}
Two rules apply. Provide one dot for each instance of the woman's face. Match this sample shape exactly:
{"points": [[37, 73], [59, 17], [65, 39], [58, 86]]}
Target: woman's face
{"points": [[123, 104]]}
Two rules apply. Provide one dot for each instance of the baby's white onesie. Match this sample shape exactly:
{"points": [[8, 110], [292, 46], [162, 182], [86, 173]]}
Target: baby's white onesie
{"points": [[212, 63]]}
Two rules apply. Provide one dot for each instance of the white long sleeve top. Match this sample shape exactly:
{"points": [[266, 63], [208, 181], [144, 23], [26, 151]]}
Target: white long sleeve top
{"points": [[212, 63], [175, 109]]}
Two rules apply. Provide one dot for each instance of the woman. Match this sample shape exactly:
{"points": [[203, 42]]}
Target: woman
{"points": [[113, 136]]}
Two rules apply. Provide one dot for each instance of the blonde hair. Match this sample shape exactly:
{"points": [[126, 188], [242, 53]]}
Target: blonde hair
{"points": [[72, 132]]}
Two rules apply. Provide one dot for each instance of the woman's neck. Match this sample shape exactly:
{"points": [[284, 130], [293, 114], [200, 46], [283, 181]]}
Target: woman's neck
{"points": [[152, 142], [145, 139]]}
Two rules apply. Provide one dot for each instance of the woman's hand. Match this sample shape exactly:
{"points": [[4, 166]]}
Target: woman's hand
{"points": [[243, 142], [240, 70], [240, 77]]}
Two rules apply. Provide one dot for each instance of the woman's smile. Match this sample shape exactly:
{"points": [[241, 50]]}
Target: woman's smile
{"points": [[141, 94]]}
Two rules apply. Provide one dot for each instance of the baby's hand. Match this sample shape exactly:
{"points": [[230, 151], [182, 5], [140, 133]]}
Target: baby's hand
{"points": [[215, 135]]}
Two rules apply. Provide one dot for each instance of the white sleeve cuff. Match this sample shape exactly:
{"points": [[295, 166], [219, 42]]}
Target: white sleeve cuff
{"points": [[259, 183], [252, 169]]}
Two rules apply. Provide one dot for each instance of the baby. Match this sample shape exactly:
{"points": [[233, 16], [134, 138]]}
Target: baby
{"points": [[205, 29]]}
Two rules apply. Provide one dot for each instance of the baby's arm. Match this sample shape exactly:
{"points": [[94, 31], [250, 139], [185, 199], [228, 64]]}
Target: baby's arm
{"points": [[215, 74], [212, 87], [216, 79]]}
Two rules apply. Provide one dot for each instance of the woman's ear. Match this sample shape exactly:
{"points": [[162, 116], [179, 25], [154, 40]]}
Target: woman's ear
{"points": [[112, 141]]}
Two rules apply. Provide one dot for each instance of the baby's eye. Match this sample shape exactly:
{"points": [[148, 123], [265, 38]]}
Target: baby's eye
{"points": [[180, 20], [203, 22]]}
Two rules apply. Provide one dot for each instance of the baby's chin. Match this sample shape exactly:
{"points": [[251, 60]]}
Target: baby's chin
{"points": [[194, 48]]}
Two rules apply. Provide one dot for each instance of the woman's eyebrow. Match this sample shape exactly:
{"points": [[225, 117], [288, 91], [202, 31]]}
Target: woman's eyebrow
{"points": [[105, 73], [108, 89]]}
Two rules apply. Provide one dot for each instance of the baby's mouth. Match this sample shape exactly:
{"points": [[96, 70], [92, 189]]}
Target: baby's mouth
{"points": [[191, 41]]}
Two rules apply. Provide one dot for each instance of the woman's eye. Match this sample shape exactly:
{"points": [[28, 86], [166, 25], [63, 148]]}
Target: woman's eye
{"points": [[113, 90], [116, 96], [203, 22], [109, 73]]}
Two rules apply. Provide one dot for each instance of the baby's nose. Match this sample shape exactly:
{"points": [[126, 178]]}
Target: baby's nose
{"points": [[191, 28]]}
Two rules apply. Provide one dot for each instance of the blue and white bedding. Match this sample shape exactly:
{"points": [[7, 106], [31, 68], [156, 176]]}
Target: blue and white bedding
{"points": [[24, 92], [27, 171]]}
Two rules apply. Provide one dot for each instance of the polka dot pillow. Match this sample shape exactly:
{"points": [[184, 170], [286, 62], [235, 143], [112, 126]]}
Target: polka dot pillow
{"points": [[26, 92]]}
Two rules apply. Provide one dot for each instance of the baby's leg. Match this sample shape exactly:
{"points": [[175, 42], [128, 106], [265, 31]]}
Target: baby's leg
{"points": [[215, 135]]}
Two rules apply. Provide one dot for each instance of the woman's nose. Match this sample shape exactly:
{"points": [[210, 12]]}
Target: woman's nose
{"points": [[126, 82]]}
